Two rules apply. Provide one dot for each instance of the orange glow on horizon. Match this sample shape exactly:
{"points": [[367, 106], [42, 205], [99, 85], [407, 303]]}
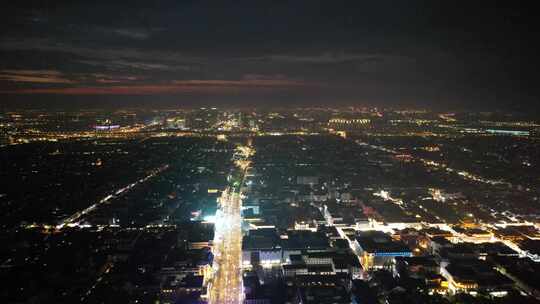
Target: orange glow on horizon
{"points": [[176, 87]]}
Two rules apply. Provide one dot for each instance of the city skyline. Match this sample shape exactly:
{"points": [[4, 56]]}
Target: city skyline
{"points": [[279, 205], [269, 152]]}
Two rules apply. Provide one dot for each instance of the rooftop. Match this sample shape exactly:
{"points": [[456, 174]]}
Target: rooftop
{"points": [[379, 242]]}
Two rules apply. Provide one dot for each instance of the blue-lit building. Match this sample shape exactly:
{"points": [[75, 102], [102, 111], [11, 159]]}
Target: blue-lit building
{"points": [[377, 249]]}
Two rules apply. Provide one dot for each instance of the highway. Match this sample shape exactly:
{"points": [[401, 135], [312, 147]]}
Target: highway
{"points": [[226, 284], [77, 215], [433, 164]]}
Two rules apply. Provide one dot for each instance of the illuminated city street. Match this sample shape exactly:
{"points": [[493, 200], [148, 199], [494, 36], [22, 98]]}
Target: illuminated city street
{"points": [[226, 286], [227, 281]]}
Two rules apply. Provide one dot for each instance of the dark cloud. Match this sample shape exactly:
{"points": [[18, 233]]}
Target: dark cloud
{"points": [[34, 76], [133, 33]]}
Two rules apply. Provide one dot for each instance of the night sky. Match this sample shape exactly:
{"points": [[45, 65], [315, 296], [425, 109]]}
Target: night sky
{"points": [[440, 54]]}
